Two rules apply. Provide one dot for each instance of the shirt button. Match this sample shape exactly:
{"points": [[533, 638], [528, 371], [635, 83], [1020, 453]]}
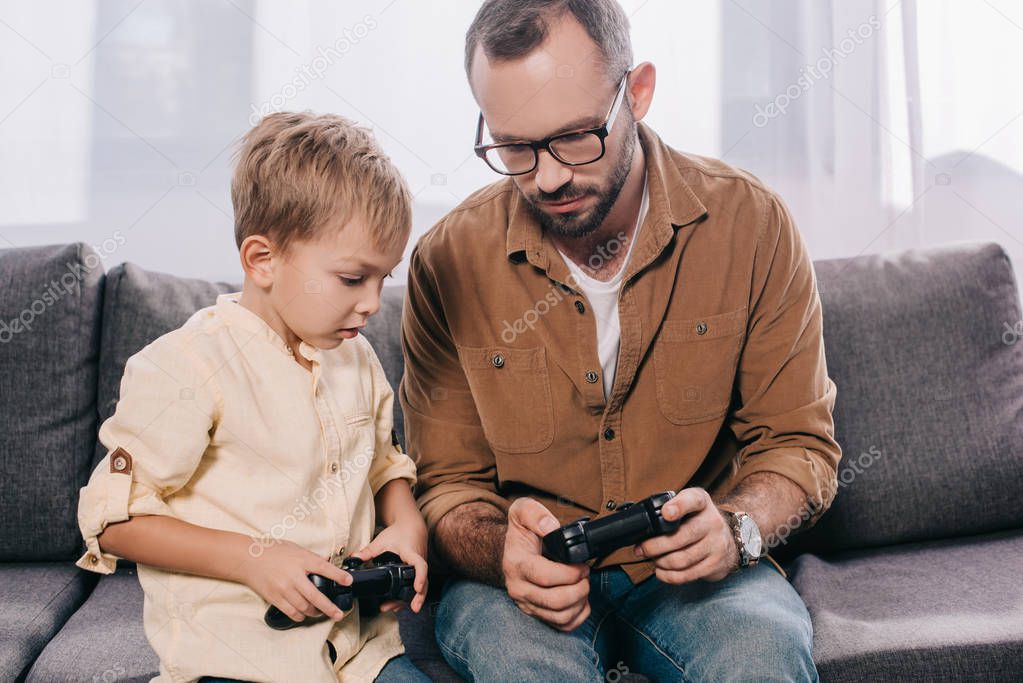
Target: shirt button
{"points": [[609, 434], [498, 361], [333, 467], [701, 328], [580, 306], [592, 377], [93, 559], [611, 505]]}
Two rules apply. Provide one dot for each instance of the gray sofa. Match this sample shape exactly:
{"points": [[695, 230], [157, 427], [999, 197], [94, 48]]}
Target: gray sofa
{"points": [[914, 574]]}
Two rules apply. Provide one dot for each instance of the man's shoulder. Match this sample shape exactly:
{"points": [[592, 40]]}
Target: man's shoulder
{"points": [[713, 176], [478, 223]]}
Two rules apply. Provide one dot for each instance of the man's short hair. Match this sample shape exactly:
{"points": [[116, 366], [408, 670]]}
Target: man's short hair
{"points": [[301, 174], [509, 29]]}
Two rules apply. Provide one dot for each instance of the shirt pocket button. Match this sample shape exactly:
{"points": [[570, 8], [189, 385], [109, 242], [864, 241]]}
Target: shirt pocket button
{"points": [[498, 361]]}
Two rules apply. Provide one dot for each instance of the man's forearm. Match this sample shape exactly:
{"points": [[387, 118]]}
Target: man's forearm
{"points": [[470, 540], [772, 501]]}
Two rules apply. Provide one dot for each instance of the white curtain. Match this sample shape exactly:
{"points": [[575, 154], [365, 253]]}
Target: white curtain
{"points": [[884, 124]]}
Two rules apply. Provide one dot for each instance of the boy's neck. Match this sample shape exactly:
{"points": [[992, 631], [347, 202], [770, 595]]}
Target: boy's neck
{"points": [[255, 299]]}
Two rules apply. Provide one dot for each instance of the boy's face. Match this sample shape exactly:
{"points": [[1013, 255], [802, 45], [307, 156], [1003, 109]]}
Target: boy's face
{"points": [[325, 289]]}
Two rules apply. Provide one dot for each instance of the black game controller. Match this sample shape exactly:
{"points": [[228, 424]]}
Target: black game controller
{"points": [[385, 577], [583, 540]]}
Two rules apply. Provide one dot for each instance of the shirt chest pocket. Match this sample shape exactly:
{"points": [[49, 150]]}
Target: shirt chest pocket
{"points": [[512, 391], [695, 363]]}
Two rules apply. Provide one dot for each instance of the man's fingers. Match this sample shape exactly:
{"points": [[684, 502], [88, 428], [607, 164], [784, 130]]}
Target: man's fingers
{"points": [[563, 620], [556, 599], [685, 502], [542, 572], [692, 530], [683, 559], [533, 516], [693, 573]]}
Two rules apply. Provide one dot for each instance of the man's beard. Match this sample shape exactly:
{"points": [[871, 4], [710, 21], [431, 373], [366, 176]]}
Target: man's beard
{"points": [[573, 225]]}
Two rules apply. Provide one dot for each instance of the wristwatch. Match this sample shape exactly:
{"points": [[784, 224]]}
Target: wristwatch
{"points": [[747, 537]]}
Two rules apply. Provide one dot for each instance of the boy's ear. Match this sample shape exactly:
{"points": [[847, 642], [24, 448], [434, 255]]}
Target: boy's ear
{"points": [[256, 255]]}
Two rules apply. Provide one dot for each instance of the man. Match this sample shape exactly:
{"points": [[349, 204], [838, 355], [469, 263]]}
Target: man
{"points": [[611, 320]]}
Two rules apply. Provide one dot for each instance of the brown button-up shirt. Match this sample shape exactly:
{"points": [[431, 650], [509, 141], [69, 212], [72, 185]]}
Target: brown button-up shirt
{"points": [[721, 369]]}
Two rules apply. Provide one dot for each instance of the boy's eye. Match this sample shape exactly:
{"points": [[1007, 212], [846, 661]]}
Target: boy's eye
{"points": [[350, 281]]}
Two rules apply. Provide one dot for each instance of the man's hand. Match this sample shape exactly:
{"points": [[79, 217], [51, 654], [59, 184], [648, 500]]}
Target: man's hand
{"points": [[703, 546], [555, 593]]}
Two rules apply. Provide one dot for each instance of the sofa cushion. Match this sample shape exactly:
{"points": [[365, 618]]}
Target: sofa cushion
{"points": [[938, 610], [141, 305], [930, 397], [35, 601], [103, 640], [49, 344]]}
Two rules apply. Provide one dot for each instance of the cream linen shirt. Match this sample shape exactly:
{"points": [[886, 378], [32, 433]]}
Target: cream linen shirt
{"points": [[219, 426]]}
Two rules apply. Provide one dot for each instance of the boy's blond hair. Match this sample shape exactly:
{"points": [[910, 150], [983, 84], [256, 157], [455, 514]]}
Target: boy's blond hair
{"points": [[300, 174]]}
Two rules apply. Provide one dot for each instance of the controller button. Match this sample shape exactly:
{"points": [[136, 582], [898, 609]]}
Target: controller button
{"points": [[611, 505], [609, 434]]}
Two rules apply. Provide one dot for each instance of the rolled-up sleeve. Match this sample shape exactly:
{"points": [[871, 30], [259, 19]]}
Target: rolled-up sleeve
{"points": [[155, 440], [442, 426], [785, 419], [389, 461]]}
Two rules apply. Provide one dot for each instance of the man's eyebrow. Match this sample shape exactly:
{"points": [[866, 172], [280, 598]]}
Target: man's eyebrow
{"points": [[583, 123]]}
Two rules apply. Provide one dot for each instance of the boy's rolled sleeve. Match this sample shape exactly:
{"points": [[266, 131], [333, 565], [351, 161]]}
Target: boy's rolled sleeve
{"points": [[443, 431], [785, 420], [156, 438], [389, 461]]}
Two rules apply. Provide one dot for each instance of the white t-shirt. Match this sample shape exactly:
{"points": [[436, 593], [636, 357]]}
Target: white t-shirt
{"points": [[603, 298]]}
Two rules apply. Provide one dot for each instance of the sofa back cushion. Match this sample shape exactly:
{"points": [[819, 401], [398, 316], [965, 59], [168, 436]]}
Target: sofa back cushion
{"points": [[926, 348], [50, 300], [141, 305]]}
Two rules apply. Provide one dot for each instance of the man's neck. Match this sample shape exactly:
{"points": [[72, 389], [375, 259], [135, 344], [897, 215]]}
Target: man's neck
{"points": [[594, 253]]}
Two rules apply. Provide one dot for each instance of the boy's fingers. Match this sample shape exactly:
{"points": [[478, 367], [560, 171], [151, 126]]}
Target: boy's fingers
{"points": [[319, 604], [332, 572]]}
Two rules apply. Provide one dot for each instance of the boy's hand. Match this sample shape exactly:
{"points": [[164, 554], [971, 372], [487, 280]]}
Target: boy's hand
{"points": [[280, 575], [406, 538]]}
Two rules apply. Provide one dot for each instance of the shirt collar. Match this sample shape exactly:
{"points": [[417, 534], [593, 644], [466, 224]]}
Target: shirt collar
{"points": [[671, 199], [238, 316]]}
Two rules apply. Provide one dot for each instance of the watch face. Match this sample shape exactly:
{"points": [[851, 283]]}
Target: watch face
{"points": [[750, 535]]}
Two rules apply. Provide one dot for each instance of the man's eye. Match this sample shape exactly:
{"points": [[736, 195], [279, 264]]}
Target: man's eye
{"points": [[350, 281]]}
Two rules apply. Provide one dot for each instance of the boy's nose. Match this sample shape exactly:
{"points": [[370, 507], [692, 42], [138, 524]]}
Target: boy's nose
{"points": [[368, 305]]}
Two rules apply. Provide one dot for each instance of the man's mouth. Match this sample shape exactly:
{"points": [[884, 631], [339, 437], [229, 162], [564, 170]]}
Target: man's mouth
{"points": [[565, 205]]}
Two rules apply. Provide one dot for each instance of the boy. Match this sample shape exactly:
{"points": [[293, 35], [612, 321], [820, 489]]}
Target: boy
{"points": [[255, 442]]}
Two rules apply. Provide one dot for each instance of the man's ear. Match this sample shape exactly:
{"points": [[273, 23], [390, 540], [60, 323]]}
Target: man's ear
{"points": [[640, 89], [257, 255]]}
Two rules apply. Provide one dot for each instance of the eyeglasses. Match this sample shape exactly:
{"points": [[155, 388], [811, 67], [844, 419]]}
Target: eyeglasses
{"points": [[575, 148]]}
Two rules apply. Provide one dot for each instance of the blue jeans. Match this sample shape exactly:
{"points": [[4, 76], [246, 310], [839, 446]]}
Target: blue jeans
{"points": [[749, 626], [398, 670]]}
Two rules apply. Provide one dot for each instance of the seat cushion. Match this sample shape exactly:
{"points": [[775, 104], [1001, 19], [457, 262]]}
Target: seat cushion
{"points": [[930, 397], [49, 346], [35, 601], [103, 640], [939, 610]]}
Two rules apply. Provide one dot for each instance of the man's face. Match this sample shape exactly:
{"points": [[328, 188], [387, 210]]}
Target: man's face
{"points": [[561, 86], [324, 290]]}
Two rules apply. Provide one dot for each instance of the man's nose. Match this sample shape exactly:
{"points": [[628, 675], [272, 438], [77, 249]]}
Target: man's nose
{"points": [[551, 174]]}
